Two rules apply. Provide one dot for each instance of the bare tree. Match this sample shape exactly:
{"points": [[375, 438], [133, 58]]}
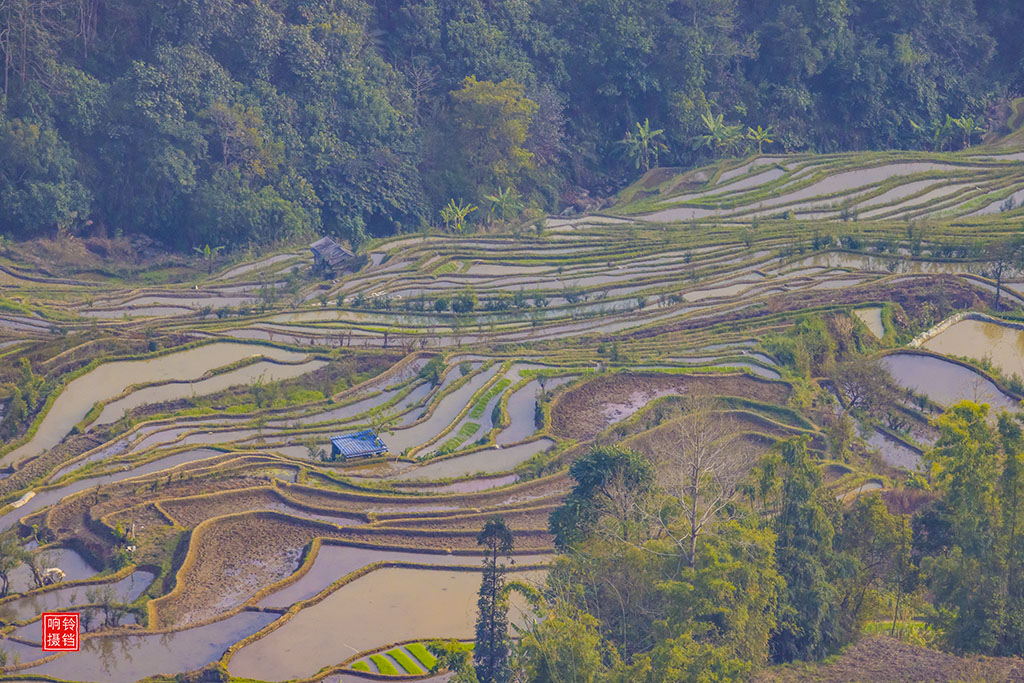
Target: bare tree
{"points": [[698, 461], [1002, 257], [11, 556], [421, 77], [36, 562], [865, 383], [30, 31]]}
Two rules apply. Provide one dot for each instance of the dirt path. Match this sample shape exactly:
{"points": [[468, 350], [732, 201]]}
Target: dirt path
{"points": [[881, 659], [586, 410]]}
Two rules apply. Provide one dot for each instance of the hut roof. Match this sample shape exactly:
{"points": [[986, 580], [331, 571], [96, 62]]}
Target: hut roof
{"points": [[330, 252], [364, 443]]}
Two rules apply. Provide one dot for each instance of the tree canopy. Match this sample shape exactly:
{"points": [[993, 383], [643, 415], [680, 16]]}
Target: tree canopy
{"points": [[235, 122]]}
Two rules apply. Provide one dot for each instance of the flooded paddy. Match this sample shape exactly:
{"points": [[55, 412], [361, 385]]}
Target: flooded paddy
{"points": [[850, 180], [445, 412], [127, 658], [125, 590], [265, 371], [882, 264], [893, 452], [943, 381], [393, 604], [67, 560], [487, 461], [639, 303], [918, 202], [728, 291], [1001, 344], [872, 317], [45, 498], [141, 312], [335, 561], [74, 565], [259, 265], [468, 485], [110, 379], [521, 407]]}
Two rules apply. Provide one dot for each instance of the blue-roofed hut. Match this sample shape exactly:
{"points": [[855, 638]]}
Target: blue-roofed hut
{"points": [[364, 444]]}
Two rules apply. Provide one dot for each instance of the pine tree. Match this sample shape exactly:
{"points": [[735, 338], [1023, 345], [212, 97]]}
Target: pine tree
{"points": [[1011, 490], [808, 621], [491, 655], [968, 580]]}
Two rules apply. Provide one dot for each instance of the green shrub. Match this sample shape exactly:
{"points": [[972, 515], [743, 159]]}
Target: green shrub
{"points": [[433, 370], [299, 396], [464, 301]]}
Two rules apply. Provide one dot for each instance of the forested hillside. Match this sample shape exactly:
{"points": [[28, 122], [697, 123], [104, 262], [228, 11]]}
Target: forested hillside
{"points": [[226, 122]]}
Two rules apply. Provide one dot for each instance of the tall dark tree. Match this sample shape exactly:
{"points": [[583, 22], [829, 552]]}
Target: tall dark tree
{"points": [[808, 615], [1011, 494], [491, 654], [973, 578]]}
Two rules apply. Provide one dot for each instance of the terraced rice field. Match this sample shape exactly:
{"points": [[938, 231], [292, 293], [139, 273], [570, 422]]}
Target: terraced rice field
{"points": [[187, 443]]}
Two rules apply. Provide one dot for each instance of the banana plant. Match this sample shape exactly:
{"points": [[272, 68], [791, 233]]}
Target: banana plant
{"points": [[761, 136], [644, 146], [969, 127], [504, 202], [454, 215], [208, 253], [720, 137]]}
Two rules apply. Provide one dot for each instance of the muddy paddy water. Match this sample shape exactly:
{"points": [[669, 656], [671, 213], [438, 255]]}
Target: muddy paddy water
{"points": [[467, 485], [943, 381], [522, 406], [894, 452], [872, 317], [110, 379], [1002, 345], [392, 605], [266, 371], [447, 409], [487, 461], [126, 590], [67, 560], [45, 498], [335, 561], [127, 658]]}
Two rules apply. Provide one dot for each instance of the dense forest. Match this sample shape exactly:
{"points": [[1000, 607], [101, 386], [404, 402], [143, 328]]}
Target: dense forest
{"points": [[223, 122], [676, 563], [688, 575]]}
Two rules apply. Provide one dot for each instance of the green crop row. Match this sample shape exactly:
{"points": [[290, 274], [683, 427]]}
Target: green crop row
{"points": [[414, 660], [405, 661], [468, 429], [478, 408], [384, 665], [425, 657]]}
